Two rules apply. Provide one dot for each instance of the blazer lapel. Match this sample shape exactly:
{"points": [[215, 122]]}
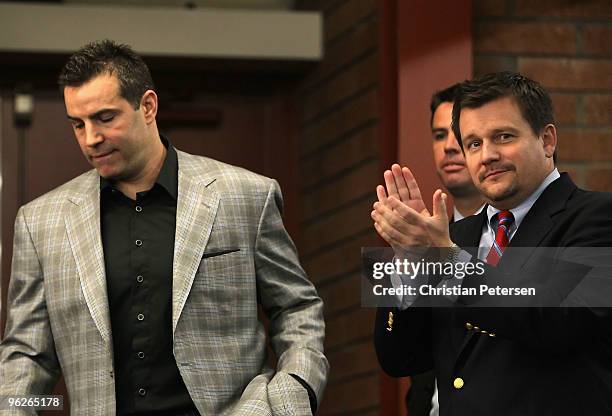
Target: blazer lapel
{"points": [[538, 222], [195, 214], [84, 235], [466, 232]]}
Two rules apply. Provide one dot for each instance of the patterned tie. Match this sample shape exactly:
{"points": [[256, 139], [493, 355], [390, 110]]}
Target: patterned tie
{"points": [[502, 237]]}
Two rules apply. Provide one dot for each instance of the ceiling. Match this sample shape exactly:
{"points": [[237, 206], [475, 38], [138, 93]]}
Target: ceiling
{"points": [[224, 4]]}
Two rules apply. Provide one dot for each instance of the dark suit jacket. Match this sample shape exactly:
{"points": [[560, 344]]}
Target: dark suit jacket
{"points": [[541, 361]]}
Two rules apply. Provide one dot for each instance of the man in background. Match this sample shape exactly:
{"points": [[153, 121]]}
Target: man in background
{"points": [[140, 280], [422, 398], [449, 159]]}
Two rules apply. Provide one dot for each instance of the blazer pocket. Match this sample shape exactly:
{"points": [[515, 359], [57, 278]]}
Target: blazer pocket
{"points": [[215, 253], [222, 261]]}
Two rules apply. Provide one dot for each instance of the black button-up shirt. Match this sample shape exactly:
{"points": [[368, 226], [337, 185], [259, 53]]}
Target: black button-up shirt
{"points": [[138, 241]]}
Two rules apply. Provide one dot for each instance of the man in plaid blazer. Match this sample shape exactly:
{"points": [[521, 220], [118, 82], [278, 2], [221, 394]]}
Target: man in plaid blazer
{"points": [[230, 253]]}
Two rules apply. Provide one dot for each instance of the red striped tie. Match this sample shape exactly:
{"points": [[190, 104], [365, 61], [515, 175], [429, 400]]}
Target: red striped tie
{"points": [[502, 237]]}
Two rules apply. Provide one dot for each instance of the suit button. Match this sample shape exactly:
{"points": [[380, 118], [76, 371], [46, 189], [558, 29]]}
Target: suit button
{"points": [[140, 317], [142, 392], [458, 383], [469, 326]]}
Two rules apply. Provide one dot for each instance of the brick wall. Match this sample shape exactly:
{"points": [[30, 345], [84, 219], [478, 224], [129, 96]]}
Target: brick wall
{"points": [[337, 117], [567, 46]]}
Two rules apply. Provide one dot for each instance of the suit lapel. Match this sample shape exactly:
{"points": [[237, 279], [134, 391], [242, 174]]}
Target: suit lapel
{"points": [[195, 214], [538, 222], [466, 232], [84, 235]]}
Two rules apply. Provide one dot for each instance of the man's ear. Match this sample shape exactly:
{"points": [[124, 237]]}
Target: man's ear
{"points": [[549, 140], [148, 103]]}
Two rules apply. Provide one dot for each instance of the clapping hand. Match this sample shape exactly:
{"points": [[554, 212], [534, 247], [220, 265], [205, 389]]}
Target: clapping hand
{"points": [[401, 218]]}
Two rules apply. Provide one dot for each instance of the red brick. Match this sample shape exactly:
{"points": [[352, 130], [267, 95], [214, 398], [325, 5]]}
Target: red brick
{"points": [[340, 225], [355, 78], [349, 327], [599, 180], [341, 259], [348, 14], [597, 109], [575, 172], [338, 191], [339, 122], [349, 397], [325, 164], [516, 37], [597, 9], [363, 38], [486, 64], [490, 7], [341, 294], [596, 40], [565, 108], [569, 73], [575, 145], [356, 359]]}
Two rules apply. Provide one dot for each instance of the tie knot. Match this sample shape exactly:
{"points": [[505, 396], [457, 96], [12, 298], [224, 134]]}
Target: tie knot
{"points": [[505, 218]]}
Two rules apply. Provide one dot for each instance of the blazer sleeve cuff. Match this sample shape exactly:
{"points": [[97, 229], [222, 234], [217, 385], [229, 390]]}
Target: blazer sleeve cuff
{"points": [[308, 365]]}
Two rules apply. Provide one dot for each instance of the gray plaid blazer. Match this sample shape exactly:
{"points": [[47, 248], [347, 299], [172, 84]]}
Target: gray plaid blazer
{"points": [[58, 313]]}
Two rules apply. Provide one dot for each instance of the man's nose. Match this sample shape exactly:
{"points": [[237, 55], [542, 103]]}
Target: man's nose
{"points": [[489, 152], [93, 136], [451, 145]]}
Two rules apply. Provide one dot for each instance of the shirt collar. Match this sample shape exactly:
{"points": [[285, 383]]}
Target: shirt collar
{"points": [[168, 174], [459, 216], [521, 210]]}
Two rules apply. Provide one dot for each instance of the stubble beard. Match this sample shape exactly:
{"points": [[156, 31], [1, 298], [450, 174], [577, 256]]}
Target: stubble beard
{"points": [[503, 195], [462, 190]]}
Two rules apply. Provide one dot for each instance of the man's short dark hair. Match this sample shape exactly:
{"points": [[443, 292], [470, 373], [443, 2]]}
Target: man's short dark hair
{"points": [[532, 99], [446, 95], [108, 57]]}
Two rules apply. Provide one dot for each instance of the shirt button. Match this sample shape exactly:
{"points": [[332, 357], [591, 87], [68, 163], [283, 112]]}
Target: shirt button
{"points": [[140, 317], [141, 355], [139, 278], [138, 208], [142, 392], [138, 242]]}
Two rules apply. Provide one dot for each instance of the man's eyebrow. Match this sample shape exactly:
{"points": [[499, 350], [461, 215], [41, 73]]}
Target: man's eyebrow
{"points": [[97, 114], [504, 129], [468, 137], [439, 129]]}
